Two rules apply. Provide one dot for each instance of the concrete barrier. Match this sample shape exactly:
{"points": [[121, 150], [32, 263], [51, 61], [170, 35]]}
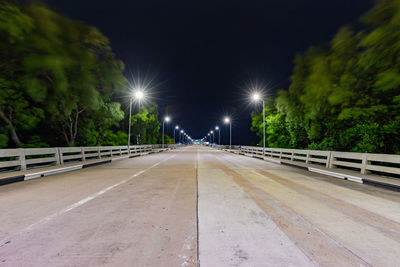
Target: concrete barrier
{"points": [[362, 162], [27, 158]]}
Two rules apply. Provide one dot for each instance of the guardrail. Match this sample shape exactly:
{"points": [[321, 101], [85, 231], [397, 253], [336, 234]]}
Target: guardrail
{"points": [[27, 158], [362, 162]]}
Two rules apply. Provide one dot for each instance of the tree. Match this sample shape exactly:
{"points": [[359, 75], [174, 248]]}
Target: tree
{"points": [[54, 74], [345, 96], [146, 125], [15, 109]]}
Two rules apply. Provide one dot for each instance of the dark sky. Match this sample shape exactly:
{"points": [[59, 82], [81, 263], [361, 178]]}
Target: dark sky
{"points": [[203, 55]]}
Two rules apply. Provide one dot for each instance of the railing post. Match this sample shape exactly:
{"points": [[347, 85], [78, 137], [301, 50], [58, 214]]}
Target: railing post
{"points": [[328, 159], [57, 156], [307, 157], [363, 163], [331, 159], [83, 154], [22, 160], [292, 156], [60, 155], [99, 152]]}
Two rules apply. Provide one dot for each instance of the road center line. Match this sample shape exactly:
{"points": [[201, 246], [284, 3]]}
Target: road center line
{"points": [[80, 202]]}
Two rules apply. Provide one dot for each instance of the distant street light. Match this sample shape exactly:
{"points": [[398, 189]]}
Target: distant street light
{"points": [[228, 120], [256, 97], [139, 95], [181, 133], [176, 128], [166, 119], [219, 134], [212, 132]]}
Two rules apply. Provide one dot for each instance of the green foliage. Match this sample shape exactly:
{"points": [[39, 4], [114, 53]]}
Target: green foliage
{"points": [[145, 126], [3, 140], [168, 139], [345, 96], [14, 24], [57, 80]]}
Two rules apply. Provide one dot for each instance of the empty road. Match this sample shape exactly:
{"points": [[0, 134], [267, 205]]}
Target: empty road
{"points": [[197, 206]]}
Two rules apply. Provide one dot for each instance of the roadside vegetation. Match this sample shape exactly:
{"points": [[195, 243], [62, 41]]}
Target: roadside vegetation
{"points": [[61, 84], [343, 96]]}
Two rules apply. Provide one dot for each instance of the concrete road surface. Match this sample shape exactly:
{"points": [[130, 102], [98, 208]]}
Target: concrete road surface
{"points": [[197, 206]]}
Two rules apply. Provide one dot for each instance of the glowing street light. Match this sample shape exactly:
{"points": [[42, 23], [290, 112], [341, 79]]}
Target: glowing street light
{"points": [[166, 119], [176, 128], [138, 94], [256, 97], [181, 133], [228, 120], [219, 134]]}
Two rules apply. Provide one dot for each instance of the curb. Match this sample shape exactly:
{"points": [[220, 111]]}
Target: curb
{"points": [[382, 185], [343, 176], [35, 175]]}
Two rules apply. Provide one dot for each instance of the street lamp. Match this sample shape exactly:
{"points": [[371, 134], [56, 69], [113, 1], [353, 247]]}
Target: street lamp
{"points": [[139, 95], [166, 119], [256, 97], [228, 120], [181, 133], [212, 132], [176, 128], [219, 134]]}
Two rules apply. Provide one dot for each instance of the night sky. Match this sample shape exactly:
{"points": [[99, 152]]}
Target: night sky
{"points": [[203, 56]]}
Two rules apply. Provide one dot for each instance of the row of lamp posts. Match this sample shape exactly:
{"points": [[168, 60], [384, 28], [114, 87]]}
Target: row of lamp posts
{"points": [[227, 120], [139, 95]]}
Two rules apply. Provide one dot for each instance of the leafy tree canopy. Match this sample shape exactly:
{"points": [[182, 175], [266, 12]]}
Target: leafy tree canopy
{"points": [[58, 78], [344, 96]]}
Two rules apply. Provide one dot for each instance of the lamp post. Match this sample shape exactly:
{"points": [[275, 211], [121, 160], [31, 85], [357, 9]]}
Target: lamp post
{"points": [[166, 119], [257, 97], [228, 120], [219, 134], [209, 136], [138, 94], [176, 128], [181, 133], [212, 132]]}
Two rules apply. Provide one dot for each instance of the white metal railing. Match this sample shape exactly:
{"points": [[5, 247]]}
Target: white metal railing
{"points": [[26, 158], [363, 162]]}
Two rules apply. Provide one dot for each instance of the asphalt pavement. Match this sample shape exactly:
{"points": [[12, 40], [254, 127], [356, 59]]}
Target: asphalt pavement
{"points": [[197, 206]]}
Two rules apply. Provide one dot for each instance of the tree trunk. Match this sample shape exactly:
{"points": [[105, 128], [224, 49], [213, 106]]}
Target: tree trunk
{"points": [[72, 126], [13, 133]]}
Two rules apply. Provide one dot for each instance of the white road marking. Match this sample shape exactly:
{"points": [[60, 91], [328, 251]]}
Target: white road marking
{"points": [[80, 203]]}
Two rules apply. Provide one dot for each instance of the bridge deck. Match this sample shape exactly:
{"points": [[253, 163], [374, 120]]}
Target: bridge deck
{"points": [[197, 205]]}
